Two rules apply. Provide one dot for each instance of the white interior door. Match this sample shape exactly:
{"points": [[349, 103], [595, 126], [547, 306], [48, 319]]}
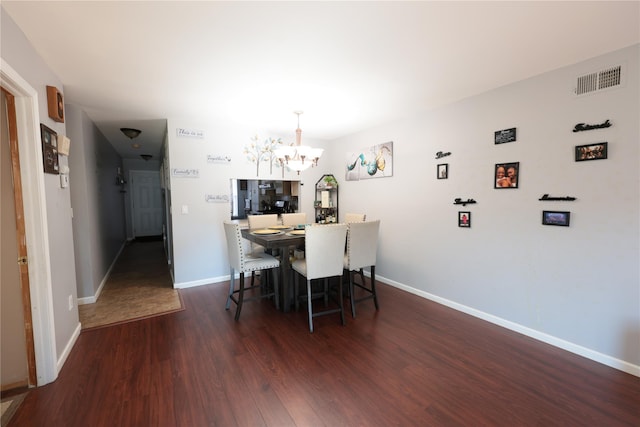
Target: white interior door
{"points": [[146, 199]]}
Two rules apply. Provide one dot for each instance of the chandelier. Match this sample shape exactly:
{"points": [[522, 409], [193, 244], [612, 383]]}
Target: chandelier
{"points": [[298, 157]]}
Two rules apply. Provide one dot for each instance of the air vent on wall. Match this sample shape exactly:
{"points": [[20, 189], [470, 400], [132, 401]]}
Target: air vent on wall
{"points": [[600, 80]]}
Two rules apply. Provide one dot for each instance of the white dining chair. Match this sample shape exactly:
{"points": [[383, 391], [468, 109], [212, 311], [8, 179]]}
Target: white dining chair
{"points": [[362, 245], [258, 222], [262, 221], [298, 218], [324, 248], [354, 217], [240, 263]]}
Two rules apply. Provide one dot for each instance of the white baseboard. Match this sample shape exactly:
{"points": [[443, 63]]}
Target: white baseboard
{"points": [[209, 281], [67, 348], [537, 335], [93, 299]]}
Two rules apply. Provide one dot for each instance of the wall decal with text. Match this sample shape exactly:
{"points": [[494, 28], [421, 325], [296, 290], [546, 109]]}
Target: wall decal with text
{"points": [[190, 133], [216, 198], [580, 127], [213, 158], [185, 173]]}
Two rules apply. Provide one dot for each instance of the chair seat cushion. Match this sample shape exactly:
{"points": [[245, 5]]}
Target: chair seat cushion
{"points": [[300, 265], [260, 261]]}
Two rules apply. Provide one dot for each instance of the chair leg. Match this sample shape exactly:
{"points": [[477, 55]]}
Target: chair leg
{"points": [[373, 286], [240, 296], [309, 306], [232, 278], [326, 292], [352, 296], [276, 287], [341, 302], [296, 290]]}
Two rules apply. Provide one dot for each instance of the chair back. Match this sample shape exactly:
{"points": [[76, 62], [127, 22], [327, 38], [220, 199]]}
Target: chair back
{"points": [[262, 221], [294, 218], [354, 217], [234, 245], [362, 244], [324, 250]]}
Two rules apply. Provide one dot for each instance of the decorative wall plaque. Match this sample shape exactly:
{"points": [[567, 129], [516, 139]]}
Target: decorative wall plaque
{"points": [[55, 104], [504, 136]]}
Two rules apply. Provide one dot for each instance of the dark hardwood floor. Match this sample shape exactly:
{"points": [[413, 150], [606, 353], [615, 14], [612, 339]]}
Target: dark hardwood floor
{"points": [[412, 363]]}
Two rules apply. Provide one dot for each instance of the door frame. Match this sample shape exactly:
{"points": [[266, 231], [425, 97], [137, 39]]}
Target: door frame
{"points": [[35, 218], [23, 268]]}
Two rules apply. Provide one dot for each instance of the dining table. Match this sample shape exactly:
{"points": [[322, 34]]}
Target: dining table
{"points": [[282, 240]]}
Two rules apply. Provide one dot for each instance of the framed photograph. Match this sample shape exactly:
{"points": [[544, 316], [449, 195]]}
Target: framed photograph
{"points": [[49, 150], [506, 175], [443, 171], [504, 136], [596, 151], [560, 218], [464, 219]]}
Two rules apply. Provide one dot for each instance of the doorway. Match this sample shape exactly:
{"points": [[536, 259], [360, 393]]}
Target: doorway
{"points": [[146, 203], [17, 347], [35, 220]]}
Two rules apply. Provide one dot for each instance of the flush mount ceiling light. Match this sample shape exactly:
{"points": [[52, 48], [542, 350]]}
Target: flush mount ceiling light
{"points": [[131, 132], [146, 157], [298, 157]]}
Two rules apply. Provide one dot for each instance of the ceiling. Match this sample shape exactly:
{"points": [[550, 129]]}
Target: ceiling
{"points": [[348, 65]]}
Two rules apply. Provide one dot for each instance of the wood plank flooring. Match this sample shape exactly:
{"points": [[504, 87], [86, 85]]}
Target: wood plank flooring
{"points": [[412, 363]]}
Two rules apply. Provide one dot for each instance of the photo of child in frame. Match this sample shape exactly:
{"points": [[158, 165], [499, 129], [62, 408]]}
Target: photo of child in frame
{"points": [[464, 219]]}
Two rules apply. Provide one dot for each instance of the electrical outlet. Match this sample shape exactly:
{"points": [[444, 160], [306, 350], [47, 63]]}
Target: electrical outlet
{"points": [[70, 302]]}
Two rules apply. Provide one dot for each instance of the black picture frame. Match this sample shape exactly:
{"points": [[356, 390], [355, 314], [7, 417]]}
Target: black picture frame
{"points": [[557, 218], [464, 219], [596, 151], [49, 140], [506, 175], [504, 136], [443, 171]]}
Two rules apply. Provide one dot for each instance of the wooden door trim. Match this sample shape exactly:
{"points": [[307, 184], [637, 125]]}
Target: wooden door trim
{"points": [[21, 236]]}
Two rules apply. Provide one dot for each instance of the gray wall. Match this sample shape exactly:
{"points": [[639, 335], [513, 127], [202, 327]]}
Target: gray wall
{"points": [[576, 287], [20, 55], [98, 204]]}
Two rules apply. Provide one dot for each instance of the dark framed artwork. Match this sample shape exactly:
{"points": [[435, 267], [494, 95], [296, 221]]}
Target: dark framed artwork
{"points": [[504, 136], [49, 150], [596, 151], [443, 171], [506, 175], [560, 218], [464, 219]]}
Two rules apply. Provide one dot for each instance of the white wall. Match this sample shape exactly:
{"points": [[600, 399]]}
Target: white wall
{"points": [[576, 287], [199, 248]]}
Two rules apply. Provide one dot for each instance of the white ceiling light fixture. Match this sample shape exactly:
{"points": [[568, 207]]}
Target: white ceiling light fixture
{"points": [[298, 157]]}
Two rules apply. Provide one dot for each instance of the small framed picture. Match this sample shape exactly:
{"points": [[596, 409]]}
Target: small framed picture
{"points": [[560, 218], [596, 151], [504, 136], [443, 171], [49, 141], [506, 175], [464, 219]]}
